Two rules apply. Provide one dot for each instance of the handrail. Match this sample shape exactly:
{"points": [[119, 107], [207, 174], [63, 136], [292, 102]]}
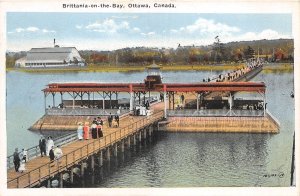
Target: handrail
{"points": [[214, 112], [154, 116], [34, 151]]}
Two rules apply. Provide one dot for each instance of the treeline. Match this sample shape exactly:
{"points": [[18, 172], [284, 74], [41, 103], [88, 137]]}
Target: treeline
{"points": [[281, 50]]}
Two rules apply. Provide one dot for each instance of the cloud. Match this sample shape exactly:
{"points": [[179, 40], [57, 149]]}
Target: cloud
{"points": [[125, 17], [205, 26], [148, 34], [136, 29], [78, 26], [31, 30], [108, 26]]}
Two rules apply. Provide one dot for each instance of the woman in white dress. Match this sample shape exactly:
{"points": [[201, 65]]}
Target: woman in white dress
{"points": [[50, 143], [22, 166], [80, 131]]}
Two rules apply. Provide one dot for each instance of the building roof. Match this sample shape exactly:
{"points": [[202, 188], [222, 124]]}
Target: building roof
{"points": [[54, 54]]}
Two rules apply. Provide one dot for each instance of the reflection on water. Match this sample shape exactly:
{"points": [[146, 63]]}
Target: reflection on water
{"points": [[172, 159]]}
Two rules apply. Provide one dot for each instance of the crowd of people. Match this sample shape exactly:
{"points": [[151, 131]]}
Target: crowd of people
{"points": [[46, 149], [231, 76]]}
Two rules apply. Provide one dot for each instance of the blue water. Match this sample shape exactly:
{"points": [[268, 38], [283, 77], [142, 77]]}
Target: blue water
{"points": [[172, 159]]}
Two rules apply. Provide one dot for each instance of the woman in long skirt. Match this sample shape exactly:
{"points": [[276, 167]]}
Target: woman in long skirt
{"points": [[94, 131], [80, 131], [50, 143], [99, 130], [86, 131]]}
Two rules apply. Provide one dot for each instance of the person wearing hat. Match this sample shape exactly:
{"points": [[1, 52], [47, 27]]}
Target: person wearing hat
{"points": [[86, 131], [80, 131]]}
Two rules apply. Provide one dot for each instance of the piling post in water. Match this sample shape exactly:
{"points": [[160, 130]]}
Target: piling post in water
{"points": [[92, 162], [61, 180], [82, 169], [101, 158], [122, 146], [72, 175], [140, 136], [134, 139], [128, 141], [116, 150], [107, 154], [145, 134], [49, 183]]}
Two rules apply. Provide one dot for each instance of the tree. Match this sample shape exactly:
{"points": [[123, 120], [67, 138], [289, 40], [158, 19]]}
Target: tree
{"points": [[219, 50], [249, 53]]}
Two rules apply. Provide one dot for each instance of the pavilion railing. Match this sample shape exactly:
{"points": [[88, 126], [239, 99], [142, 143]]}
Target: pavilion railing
{"points": [[83, 111], [214, 112], [45, 171]]}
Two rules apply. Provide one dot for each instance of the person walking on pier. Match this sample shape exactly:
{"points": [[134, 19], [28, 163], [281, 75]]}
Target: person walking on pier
{"points": [[42, 145], [117, 119], [24, 155], [80, 131], [86, 131], [22, 166], [58, 154], [51, 156], [99, 129], [109, 119], [16, 160], [94, 129], [50, 143]]}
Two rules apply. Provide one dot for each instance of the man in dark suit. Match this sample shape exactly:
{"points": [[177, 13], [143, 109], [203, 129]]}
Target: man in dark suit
{"points": [[16, 160], [42, 145]]}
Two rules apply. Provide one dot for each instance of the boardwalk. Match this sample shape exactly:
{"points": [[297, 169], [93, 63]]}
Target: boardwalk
{"points": [[39, 169]]}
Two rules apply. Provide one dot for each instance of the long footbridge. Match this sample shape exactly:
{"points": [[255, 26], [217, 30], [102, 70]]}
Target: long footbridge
{"points": [[39, 169]]}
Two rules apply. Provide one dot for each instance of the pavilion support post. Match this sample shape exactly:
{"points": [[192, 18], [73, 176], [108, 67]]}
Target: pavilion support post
{"points": [[131, 98], [103, 103], [53, 96], [100, 158], [45, 101], [61, 97], [61, 180], [144, 98], [265, 104], [117, 96], [173, 99], [110, 100], [139, 98], [230, 104], [197, 102], [73, 104], [89, 98], [81, 98], [165, 100]]}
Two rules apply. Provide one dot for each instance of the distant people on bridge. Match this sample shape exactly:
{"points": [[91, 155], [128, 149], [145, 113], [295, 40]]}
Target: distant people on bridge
{"points": [[94, 129], [86, 131], [22, 166], [161, 97], [99, 121], [58, 154], [16, 160], [50, 143], [80, 131], [51, 156], [24, 155], [147, 105], [42, 145]]}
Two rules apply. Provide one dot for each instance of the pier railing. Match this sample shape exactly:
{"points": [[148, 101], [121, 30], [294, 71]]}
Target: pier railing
{"points": [[45, 171], [273, 118], [83, 111], [214, 112], [35, 150]]}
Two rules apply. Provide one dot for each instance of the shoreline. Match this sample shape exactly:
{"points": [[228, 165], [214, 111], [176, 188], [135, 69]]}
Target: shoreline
{"points": [[284, 67]]}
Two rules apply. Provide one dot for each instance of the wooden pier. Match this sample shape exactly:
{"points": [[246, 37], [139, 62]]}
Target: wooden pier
{"points": [[39, 169]]}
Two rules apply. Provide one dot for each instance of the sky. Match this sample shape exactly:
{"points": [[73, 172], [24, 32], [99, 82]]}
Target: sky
{"points": [[105, 31]]}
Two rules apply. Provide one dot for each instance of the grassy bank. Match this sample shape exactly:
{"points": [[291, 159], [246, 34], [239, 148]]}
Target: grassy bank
{"points": [[107, 68]]}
